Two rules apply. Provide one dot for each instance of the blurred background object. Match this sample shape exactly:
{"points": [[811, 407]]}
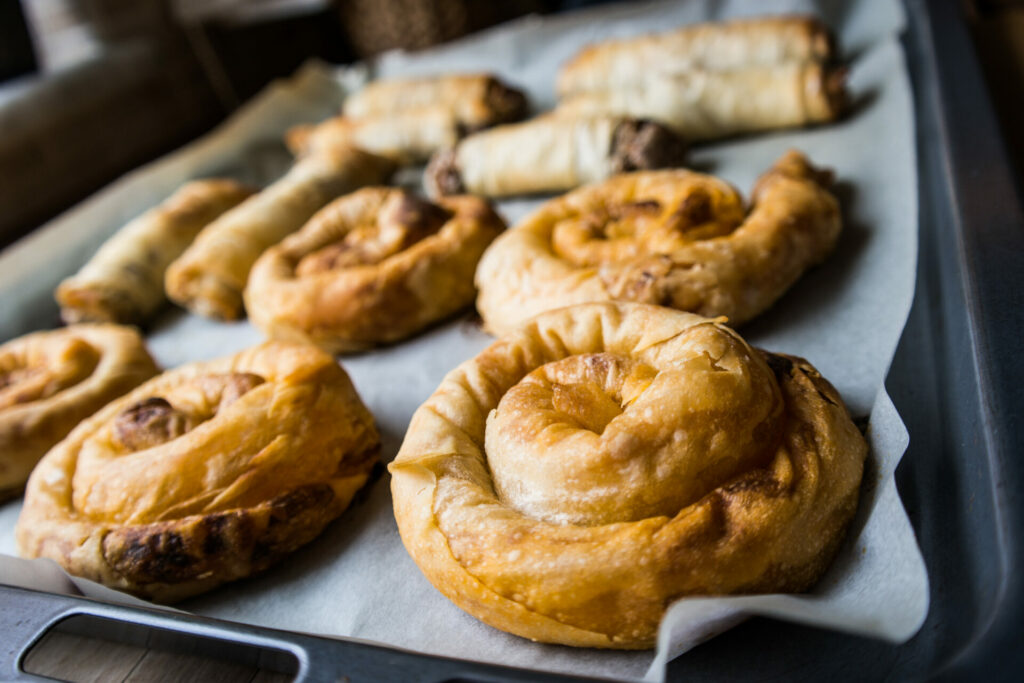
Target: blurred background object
{"points": [[90, 89]]}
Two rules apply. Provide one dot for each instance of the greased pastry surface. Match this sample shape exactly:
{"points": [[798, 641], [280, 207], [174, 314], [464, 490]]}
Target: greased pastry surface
{"points": [[370, 268], [205, 474], [672, 238], [603, 460], [50, 381]]}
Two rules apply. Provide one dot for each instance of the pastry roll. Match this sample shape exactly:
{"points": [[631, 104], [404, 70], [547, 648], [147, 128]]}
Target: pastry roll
{"points": [[409, 119], [550, 154], [703, 105], [370, 268], [475, 100], [208, 473], [124, 281], [715, 46], [405, 137], [672, 238], [209, 277], [51, 381], [604, 460]]}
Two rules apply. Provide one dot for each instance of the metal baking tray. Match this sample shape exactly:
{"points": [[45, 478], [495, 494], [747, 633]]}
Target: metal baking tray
{"points": [[957, 380]]}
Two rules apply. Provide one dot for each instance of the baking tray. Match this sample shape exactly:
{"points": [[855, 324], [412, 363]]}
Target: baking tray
{"points": [[957, 381]]}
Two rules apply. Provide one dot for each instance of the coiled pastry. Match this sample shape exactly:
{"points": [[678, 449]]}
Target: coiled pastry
{"points": [[205, 474], [50, 381], [210, 276], [124, 281], [580, 474], [372, 267], [672, 238]]}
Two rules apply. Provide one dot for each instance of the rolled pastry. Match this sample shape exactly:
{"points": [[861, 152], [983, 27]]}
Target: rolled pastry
{"points": [[409, 119], [51, 381], [205, 474], [714, 46], [475, 100], [703, 104], [550, 154], [603, 460], [370, 268], [209, 277], [672, 238], [124, 281]]}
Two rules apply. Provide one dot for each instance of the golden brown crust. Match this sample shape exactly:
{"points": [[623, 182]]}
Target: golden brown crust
{"points": [[209, 277], [205, 474], [693, 249], [662, 458], [373, 267], [551, 153], [51, 381], [407, 120], [124, 280], [713, 46]]}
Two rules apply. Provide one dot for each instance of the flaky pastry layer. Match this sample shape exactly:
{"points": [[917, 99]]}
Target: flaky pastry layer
{"points": [[205, 474], [582, 473], [50, 381], [672, 238], [372, 267]]}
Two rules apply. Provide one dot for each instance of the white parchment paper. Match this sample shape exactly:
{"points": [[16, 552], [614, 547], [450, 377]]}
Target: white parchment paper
{"points": [[845, 317]]}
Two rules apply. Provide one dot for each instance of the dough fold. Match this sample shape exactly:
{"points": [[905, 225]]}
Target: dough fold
{"points": [[205, 474], [210, 276], [673, 238], [50, 381], [370, 268], [604, 460]]}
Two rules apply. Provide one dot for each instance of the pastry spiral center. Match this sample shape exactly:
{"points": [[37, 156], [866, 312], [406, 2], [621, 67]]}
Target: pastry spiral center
{"points": [[38, 372], [627, 230], [157, 420], [602, 438], [403, 221]]}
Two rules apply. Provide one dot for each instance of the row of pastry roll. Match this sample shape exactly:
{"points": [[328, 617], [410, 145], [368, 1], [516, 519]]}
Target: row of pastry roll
{"points": [[712, 80]]}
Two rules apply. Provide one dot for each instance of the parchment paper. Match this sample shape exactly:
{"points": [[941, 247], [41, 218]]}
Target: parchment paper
{"points": [[845, 316]]}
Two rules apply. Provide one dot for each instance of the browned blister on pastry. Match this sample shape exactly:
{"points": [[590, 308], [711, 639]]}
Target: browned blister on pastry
{"points": [[209, 277], [713, 46], [51, 381], [551, 153], [124, 281], [672, 238], [604, 460], [409, 119], [370, 268], [208, 473]]}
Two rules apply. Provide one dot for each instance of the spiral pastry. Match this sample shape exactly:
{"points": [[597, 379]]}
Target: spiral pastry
{"points": [[372, 267], [50, 381], [205, 474], [576, 477], [673, 238]]}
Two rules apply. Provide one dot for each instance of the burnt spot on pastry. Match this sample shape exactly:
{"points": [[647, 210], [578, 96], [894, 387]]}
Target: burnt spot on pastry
{"points": [[442, 175], [695, 209], [644, 145], [149, 423], [415, 216], [506, 104], [231, 386]]}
